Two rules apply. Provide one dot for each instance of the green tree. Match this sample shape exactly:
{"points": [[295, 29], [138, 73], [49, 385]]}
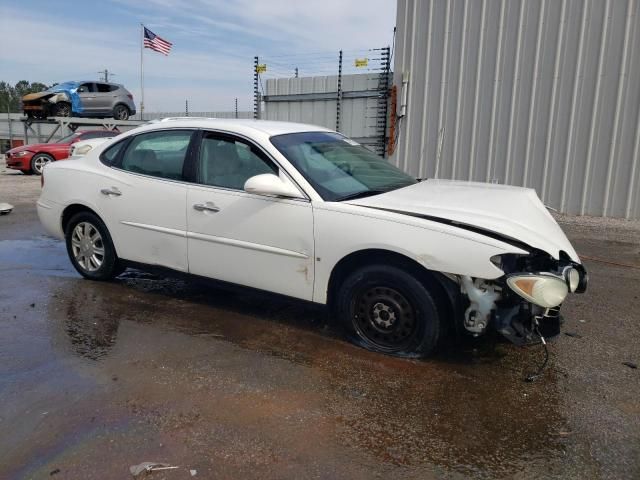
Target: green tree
{"points": [[10, 95]]}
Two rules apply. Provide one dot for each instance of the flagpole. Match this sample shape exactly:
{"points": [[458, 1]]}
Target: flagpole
{"points": [[141, 71]]}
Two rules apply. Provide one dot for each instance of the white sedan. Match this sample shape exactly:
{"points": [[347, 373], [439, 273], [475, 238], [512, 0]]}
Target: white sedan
{"points": [[303, 211]]}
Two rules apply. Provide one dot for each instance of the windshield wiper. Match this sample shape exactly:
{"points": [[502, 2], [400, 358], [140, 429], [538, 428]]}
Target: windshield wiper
{"points": [[364, 193]]}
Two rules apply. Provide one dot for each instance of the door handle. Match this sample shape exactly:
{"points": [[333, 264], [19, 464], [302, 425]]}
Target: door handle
{"points": [[111, 191], [209, 207]]}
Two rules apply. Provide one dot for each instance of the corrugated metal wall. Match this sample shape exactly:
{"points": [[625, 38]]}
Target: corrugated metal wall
{"points": [[540, 93], [357, 114]]}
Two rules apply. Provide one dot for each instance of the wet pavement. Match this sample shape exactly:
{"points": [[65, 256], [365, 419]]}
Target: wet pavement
{"points": [[96, 377]]}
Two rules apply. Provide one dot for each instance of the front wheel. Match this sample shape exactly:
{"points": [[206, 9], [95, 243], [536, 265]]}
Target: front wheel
{"points": [[388, 310], [62, 109], [90, 247], [39, 161]]}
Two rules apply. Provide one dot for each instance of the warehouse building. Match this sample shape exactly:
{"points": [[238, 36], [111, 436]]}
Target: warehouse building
{"points": [[537, 93]]}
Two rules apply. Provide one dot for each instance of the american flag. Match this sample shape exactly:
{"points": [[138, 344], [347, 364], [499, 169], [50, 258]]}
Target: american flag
{"points": [[154, 42]]}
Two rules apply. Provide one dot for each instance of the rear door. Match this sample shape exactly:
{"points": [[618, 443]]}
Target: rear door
{"points": [[258, 241], [104, 99], [144, 197]]}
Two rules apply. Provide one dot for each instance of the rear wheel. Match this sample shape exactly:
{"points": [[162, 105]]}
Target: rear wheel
{"points": [[388, 310], [90, 247], [120, 112], [38, 162]]}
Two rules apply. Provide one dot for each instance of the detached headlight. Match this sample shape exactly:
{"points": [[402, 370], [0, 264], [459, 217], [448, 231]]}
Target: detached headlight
{"points": [[82, 150], [544, 290]]}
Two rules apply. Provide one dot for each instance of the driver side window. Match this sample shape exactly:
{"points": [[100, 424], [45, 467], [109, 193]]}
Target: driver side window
{"points": [[86, 88], [229, 163]]}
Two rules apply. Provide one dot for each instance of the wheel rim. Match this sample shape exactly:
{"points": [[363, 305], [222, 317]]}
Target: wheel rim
{"points": [[39, 163], [385, 318], [120, 113], [87, 246]]}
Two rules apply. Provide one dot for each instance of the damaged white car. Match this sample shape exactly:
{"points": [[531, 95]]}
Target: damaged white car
{"points": [[306, 212]]}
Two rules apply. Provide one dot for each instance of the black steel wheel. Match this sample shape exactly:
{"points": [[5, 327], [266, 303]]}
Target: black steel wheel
{"points": [[386, 309], [120, 112]]}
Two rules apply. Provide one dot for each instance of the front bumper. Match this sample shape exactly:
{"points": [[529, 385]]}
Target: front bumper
{"points": [[50, 215], [525, 323], [19, 163]]}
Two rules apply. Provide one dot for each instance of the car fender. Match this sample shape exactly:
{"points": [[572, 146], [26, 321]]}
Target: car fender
{"points": [[436, 247]]}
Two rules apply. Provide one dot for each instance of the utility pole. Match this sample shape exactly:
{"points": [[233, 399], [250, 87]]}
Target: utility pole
{"points": [[236, 107], [296, 72], [105, 75], [186, 108]]}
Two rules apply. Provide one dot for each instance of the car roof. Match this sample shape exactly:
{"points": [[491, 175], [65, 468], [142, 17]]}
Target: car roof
{"points": [[268, 127]]}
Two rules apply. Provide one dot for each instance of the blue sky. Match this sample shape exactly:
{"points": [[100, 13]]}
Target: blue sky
{"points": [[214, 43]]}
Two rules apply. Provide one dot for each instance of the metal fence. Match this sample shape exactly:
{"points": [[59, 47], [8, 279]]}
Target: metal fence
{"points": [[313, 100], [355, 104], [157, 115], [544, 94]]}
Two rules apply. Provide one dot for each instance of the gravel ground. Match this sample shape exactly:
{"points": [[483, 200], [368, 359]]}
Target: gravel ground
{"points": [[96, 377]]}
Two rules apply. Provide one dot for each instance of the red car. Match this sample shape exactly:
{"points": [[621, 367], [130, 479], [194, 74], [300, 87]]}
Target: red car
{"points": [[32, 158]]}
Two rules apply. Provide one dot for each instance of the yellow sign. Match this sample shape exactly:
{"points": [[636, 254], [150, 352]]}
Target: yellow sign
{"points": [[261, 68], [361, 62]]}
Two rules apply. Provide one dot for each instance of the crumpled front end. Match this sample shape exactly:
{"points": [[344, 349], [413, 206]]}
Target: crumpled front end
{"points": [[524, 304]]}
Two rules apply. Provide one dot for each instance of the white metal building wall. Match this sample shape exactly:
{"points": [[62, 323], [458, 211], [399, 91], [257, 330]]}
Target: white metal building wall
{"points": [[539, 93]]}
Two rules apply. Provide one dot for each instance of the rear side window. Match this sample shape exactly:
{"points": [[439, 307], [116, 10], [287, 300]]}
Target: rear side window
{"points": [[110, 155], [103, 87], [158, 154], [113, 88]]}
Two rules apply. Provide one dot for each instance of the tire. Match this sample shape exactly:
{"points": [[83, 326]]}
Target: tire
{"points": [[93, 259], [62, 109], [38, 161], [385, 309], [121, 112]]}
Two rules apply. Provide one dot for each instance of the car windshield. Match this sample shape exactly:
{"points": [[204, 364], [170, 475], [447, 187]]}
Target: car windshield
{"points": [[62, 86], [339, 168]]}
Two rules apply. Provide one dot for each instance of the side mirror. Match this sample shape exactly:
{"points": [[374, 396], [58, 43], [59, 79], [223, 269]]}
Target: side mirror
{"points": [[272, 185]]}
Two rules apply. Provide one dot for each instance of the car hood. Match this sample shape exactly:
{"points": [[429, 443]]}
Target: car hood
{"points": [[34, 147], [513, 212], [35, 96]]}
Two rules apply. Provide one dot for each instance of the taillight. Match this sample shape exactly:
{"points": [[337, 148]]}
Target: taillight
{"points": [[130, 96]]}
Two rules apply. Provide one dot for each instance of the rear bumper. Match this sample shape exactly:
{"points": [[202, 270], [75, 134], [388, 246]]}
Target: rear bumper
{"points": [[50, 215]]}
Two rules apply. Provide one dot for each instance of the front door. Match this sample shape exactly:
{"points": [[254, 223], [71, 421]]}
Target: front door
{"points": [[252, 240], [144, 199], [88, 101]]}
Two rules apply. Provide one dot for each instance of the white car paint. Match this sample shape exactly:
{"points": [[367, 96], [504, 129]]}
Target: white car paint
{"points": [[292, 245], [514, 212]]}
